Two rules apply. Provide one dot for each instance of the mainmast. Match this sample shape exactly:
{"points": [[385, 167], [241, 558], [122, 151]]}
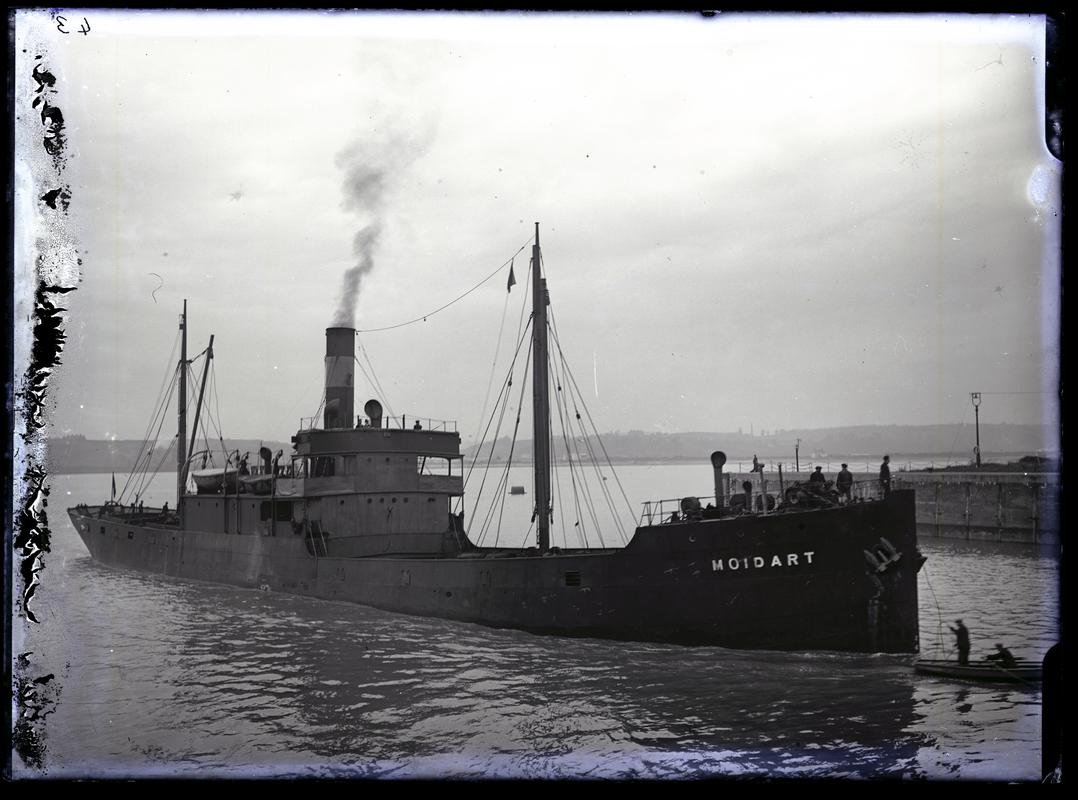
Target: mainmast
{"points": [[181, 412], [540, 400]]}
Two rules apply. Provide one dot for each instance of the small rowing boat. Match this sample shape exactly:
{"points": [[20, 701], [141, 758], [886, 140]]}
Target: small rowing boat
{"points": [[986, 671]]}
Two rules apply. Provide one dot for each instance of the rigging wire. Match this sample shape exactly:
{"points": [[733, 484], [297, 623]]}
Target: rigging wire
{"points": [[563, 412], [939, 614], [499, 488], [500, 406], [217, 423], [527, 536], [591, 457], [500, 402], [581, 531], [589, 501], [587, 438], [503, 479], [204, 421], [374, 388], [160, 403], [600, 480], [1018, 392], [192, 400], [321, 405], [575, 388], [505, 385], [509, 378], [140, 477], [527, 294], [168, 451], [493, 365], [138, 471], [512, 447], [423, 318], [166, 383], [376, 383]]}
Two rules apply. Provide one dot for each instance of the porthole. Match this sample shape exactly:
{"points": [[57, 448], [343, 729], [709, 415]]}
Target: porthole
{"points": [[394, 499]]}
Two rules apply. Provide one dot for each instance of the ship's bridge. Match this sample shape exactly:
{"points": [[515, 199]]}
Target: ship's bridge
{"points": [[380, 454]]}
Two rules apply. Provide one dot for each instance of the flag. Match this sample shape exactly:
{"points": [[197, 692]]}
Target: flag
{"points": [[114, 486], [512, 278]]}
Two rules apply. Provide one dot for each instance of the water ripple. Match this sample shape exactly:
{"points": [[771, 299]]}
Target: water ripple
{"points": [[165, 677]]}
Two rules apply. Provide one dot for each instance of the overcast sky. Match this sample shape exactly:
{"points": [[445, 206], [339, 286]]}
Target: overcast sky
{"points": [[761, 221]]}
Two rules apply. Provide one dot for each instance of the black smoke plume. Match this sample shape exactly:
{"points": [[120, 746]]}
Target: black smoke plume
{"points": [[370, 171]]}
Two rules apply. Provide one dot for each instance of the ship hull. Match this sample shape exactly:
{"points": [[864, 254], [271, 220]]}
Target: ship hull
{"points": [[787, 581]]}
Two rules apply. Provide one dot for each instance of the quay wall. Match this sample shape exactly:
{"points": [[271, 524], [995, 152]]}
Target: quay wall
{"points": [[979, 506], [1000, 507]]}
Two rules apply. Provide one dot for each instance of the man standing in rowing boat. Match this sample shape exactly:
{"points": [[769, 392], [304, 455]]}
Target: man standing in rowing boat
{"points": [[962, 636]]}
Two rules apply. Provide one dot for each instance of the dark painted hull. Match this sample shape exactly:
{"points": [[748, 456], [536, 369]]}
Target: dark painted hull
{"points": [[788, 581], [1023, 672]]}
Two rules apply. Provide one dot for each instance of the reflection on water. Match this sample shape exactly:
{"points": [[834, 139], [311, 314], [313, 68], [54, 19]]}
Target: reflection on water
{"points": [[168, 677]]}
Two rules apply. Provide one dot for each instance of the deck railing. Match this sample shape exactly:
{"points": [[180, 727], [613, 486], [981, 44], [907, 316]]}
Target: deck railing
{"points": [[656, 512], [403, 422]]}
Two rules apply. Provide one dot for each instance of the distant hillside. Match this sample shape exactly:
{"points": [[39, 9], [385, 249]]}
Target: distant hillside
{"points": [[69, 454], [868, 440], [78, 454]]}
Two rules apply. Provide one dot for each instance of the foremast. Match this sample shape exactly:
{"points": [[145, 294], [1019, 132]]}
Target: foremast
{"points": [[540, 400], [183, 465], [198, 413]]}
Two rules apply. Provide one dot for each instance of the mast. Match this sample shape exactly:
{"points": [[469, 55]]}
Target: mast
{"points": [[540, 400], [198, 410], [181, 413]]}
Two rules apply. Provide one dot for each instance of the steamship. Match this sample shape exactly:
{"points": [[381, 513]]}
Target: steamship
{"points": [[363, 511]]}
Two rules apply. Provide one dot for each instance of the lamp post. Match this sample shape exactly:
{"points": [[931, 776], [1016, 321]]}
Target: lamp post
{"points": [[975, 397], [797, 461]]}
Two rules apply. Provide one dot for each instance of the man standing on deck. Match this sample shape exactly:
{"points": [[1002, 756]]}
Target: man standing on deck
{"points": [[962, 636], [885, 476], [844, 483]]}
